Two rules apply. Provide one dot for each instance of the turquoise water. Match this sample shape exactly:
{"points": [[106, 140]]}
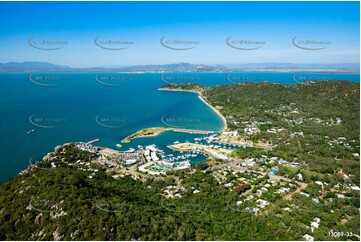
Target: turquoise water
{"points": [[80, 107], [273, 171]]}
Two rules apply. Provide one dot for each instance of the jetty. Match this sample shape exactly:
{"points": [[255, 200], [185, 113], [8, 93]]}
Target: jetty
{"points": [[193, 131], [92, 141]]}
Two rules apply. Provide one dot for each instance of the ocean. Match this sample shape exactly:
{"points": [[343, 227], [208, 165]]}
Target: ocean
{"points": [[42, 110]]}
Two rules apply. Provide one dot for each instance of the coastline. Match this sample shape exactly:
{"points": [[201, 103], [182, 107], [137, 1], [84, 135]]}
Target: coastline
{"points": [[216, 111], [154, 131], [200, 96]]}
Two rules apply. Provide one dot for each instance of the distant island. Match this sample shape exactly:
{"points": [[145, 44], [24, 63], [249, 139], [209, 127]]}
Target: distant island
{"points": [[15, 67]]}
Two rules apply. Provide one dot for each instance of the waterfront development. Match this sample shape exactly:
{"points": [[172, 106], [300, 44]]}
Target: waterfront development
{"points": [[85, 115]]}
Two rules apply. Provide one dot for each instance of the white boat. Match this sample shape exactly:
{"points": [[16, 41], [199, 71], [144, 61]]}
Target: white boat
{"points": [[140, 147], [176, 142], [118, 145], [130, 150], [30, 131]]}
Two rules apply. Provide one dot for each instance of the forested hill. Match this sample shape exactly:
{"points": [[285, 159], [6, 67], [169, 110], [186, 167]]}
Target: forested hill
{"points": [[296, 106]]}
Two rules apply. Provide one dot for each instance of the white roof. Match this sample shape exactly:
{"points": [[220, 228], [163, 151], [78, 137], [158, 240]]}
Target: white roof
{"points": [[308, 237]]}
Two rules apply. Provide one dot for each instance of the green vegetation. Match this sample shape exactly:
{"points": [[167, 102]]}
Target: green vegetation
{"points": [[193, 87], [141, 212], [316, 126]]}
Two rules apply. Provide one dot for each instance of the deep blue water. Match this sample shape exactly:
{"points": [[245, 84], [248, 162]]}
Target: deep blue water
{"points": [[81, 107]]}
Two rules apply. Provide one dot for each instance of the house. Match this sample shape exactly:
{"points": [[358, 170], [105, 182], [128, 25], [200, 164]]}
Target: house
{"points": [[130, 162], [315, 224], [304, 194], [340, 196], [308, 237], [228, 185], [240, 185], [255, 210], [232, 133], [315, 200], [249, 162], [262, 203], [283, 190], [264, 189], [355, 188]]}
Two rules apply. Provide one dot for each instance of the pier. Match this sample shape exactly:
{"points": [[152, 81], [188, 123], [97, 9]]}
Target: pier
{"points": [[193, 131], [92, 141]]}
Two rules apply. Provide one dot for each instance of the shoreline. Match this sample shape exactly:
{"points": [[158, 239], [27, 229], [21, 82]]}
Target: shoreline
{"points": [[200, 96]]}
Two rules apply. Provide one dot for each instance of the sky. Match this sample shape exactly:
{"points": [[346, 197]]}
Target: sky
{"points": [[260, 32]]}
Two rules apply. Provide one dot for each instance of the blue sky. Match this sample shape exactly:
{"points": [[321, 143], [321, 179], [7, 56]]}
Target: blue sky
{"points": [[209, 23]]}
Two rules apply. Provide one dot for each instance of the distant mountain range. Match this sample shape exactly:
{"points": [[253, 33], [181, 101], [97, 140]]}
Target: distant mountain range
{"points": [[179, 67], [31, 66]]}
